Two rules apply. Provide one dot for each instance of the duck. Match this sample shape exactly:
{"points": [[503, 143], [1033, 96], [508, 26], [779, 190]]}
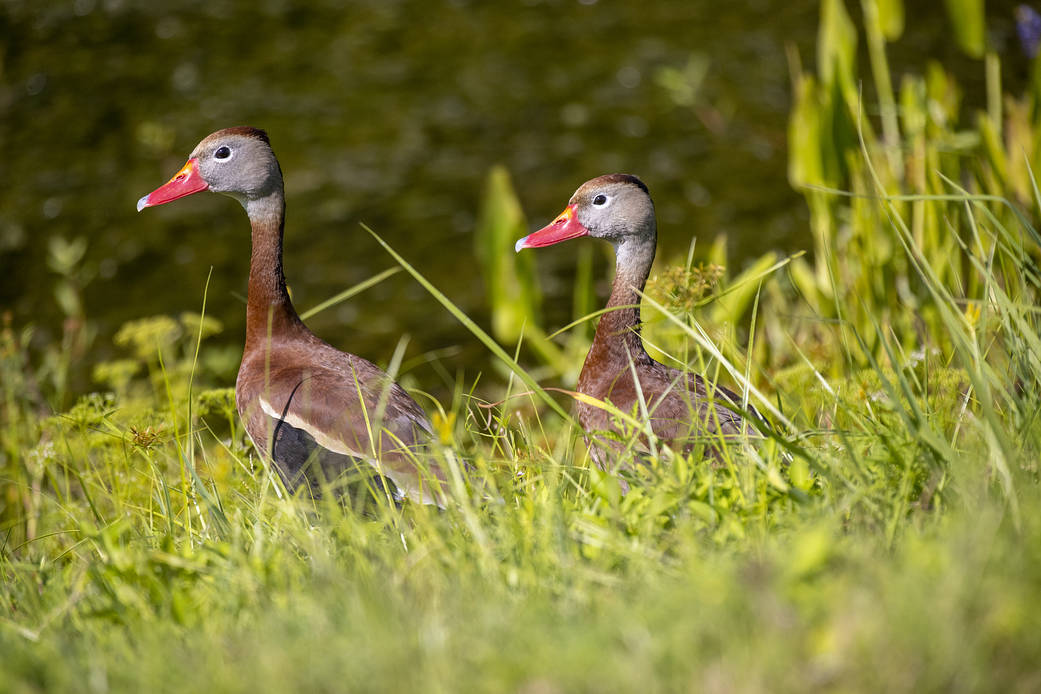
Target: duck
{"points": [[685, 410], [311, 410]]}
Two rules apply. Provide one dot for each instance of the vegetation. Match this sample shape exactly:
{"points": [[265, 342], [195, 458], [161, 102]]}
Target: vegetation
{"points": [[886, 536]]}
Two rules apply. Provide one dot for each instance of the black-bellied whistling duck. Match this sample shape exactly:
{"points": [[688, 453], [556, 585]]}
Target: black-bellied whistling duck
{"points": [[683, 408], [312, 410]]}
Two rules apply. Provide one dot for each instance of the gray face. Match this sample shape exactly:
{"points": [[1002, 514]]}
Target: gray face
{"points": [[615, 210], [237, 165]]}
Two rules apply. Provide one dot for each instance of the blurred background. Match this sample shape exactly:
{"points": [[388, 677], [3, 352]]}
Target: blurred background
{"points": [[390, 113]]}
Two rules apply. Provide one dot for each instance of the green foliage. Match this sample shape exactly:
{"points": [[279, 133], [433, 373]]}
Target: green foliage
{"points": [[922, 181], [683, 289], [144, 531], [511, 288], [512, 292], [967, 19], [540, 574]]}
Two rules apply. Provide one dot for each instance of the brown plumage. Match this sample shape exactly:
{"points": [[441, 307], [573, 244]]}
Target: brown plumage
{"points": [[684, 409], [313, 411]]}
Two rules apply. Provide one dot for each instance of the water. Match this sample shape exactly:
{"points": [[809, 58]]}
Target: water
{"points": [[389, 113]]}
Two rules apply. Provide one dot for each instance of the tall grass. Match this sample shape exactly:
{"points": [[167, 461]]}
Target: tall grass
{"points": [[887, 536]]}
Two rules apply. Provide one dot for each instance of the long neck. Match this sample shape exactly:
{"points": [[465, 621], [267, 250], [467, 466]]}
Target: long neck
{"points": [[619, 329], [268, 309]]}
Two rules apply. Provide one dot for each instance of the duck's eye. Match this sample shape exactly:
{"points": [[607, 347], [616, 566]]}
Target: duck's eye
{"points": [[600, 199], [223, 152]]}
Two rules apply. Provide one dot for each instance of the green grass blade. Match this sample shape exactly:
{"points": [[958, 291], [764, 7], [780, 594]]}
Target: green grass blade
{"points": [[474, 329]]}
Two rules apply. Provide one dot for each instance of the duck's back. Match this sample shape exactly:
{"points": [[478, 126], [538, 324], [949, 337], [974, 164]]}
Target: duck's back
{"points": [[684, 410], [329, 412]]}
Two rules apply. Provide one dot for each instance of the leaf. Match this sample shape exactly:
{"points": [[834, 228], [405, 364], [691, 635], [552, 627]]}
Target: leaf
{"points": [[475, 329], [63, 255], [967, 20], [509, 276], [731, 306], [805, 166], [836, 45], [891, 16]]}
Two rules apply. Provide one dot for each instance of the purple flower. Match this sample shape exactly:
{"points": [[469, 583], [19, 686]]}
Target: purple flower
{"points": [[1028, 26]]}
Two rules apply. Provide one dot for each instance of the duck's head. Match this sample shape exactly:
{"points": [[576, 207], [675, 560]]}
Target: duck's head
{"points": [[234, 161], [615, 207]]}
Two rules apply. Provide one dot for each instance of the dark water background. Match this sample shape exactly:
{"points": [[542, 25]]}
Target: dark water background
{"points": [[391, 113]]}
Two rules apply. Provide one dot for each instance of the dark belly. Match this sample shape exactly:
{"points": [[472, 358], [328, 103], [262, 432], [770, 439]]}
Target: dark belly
{"points": [[301, 461]]}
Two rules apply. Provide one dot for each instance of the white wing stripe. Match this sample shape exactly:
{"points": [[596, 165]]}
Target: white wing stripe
{"points": [[323, 439], [404, 483]]}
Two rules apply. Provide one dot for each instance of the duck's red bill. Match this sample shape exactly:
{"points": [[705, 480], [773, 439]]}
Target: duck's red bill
{"points": [[565, 226], [185, 182]]}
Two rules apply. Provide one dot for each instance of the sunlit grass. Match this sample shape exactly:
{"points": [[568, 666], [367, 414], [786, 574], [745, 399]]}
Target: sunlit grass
{"points": [[895, 546]]}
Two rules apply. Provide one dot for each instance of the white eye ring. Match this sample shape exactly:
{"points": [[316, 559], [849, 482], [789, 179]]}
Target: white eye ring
{"points": [[223, 150], [600, 200]]}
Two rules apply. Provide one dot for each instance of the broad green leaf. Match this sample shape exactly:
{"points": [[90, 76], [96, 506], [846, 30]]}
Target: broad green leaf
{"points": [[967, 19], [730, 307], [805, 141], [891, 16], [470, 325], [509, 276], [836, 44]]}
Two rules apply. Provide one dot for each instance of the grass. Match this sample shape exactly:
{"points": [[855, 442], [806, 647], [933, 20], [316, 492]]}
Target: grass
{"points": [[885, 537], [145, 547]]}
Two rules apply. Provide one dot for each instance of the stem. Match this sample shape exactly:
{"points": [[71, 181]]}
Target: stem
{"points": [[993, 72], [880, 70]]}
